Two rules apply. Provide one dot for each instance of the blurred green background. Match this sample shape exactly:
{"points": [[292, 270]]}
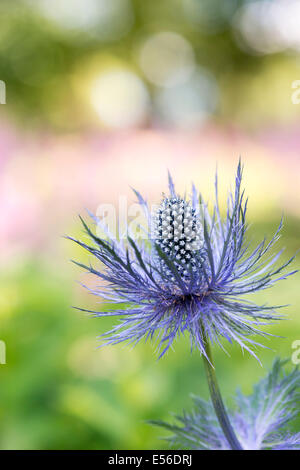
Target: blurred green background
{"points": [[102, 95]]}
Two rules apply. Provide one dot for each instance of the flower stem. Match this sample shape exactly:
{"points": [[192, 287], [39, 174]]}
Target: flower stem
{"points": [[216, 399]]}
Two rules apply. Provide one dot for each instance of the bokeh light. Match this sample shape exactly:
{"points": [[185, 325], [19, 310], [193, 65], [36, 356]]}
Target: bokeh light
{"points": [[120, 98], [167, 59], [267, 27], [105, 19], [190, 104]]}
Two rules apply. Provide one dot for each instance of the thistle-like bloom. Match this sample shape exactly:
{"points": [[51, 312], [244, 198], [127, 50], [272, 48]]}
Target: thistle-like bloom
{"points": [[190, 275], [260, 420]]}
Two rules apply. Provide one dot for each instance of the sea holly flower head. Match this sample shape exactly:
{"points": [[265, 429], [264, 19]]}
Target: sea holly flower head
{"points": [[189, 276], [260, 420], [178, 234]]}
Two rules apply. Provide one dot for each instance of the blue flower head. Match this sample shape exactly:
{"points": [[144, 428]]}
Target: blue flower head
{"points": [[260, 420], [189, 276]]}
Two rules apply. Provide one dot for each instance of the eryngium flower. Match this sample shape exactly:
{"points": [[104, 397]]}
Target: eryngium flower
{"points": [[260, 420], [190, 275]]}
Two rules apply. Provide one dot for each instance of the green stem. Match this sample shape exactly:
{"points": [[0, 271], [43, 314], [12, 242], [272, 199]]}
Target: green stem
{"points": [[216, 399]]}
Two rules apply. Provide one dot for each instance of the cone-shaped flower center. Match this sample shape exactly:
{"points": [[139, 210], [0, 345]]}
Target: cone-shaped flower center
{"points": [[178, 234]]}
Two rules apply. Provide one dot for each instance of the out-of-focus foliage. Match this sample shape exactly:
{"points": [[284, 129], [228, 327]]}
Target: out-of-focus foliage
{"points": [[190, 60]]}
